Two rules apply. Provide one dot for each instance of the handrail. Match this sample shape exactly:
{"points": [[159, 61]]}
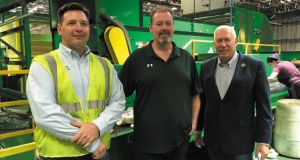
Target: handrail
{"points": [[21, 148], [18, 133], [246, 49], [14, 72], [13, 103], [17, 149], [254, 44]]}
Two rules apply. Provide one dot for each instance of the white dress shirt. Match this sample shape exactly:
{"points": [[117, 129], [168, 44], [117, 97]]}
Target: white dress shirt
{"points": [[224, 74]]}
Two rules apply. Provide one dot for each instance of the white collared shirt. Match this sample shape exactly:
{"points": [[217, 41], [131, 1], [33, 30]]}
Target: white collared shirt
{"points": [[224, 74]]}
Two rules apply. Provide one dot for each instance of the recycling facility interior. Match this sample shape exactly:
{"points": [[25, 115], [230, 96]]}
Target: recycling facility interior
{"points": [[28, 28]]}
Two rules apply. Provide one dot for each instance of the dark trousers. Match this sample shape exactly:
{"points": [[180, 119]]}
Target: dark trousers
{"points": [[297, 89], [86, 157], [220, 155], [178, 153]]}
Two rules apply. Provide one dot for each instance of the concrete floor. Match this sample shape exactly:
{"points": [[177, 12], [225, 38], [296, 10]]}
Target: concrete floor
{"points": [[280, 157], [202, 154]]}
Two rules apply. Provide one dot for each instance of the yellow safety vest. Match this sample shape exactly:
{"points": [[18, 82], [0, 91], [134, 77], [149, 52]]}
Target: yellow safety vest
{"points": [[99, 93]]}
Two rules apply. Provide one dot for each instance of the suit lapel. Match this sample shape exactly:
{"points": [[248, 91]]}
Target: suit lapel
{"points": [[238, 71], [212, 76]]}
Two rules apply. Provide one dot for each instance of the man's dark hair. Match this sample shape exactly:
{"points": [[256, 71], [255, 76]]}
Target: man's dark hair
{"points": [[71, 6], [270, 60], [160, 9]]}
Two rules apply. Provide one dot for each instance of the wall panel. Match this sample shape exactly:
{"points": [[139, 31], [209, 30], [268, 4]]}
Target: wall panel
{"points": [[288, 36]]}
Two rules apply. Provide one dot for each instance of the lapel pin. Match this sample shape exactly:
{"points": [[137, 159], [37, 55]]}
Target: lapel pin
{"points": [[243, 64]]}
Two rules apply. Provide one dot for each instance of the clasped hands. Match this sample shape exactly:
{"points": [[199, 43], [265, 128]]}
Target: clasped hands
{"points": [[86, 135]]}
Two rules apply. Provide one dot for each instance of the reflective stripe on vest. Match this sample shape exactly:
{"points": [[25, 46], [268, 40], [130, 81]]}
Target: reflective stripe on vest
{"points": [[76, 106]]}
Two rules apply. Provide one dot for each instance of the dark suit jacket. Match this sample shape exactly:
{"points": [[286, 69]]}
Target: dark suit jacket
{"points": [[230, 123]]}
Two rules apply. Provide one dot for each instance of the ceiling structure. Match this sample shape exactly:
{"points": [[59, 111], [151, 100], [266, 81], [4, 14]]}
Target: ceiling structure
{"points": [[42, 4], [148, 5], [277, 11]]}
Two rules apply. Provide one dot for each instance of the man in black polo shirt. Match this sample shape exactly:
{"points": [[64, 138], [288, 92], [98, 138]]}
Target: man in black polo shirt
{"points": [[167, 89]]}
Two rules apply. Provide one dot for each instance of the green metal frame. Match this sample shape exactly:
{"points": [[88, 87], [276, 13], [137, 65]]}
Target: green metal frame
{"points": [[250, 21], [27, 37], [1, 66]]}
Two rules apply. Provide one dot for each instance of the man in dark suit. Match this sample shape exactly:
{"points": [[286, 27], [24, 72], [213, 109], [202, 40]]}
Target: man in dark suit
{"points": [[233, 86]]}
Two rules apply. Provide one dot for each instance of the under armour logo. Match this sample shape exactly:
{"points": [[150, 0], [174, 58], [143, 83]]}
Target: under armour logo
{"points": [[151, 65]]}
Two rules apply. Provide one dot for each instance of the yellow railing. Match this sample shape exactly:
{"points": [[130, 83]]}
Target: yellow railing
{"points": [[21, 148], [17, 149], [13, 134], [13, 103], [14, 72], [246, 49]]}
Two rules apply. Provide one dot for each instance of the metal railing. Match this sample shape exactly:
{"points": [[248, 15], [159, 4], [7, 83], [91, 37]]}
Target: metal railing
{"points": [[21, 148], [246, 48], [14, 72]]}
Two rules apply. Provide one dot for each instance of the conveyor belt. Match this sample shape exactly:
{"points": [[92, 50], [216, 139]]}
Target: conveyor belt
{"points": [[277, 87]]}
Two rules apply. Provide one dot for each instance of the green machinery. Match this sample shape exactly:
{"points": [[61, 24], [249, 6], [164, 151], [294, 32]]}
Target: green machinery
{"points": [[250, 26]]}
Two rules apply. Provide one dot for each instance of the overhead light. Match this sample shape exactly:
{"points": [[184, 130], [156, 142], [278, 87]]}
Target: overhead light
{"points": [[13, 10], [39, 27], [36, 9]]}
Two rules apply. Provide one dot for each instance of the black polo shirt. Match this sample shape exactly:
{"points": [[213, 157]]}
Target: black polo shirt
{"points": [[162, 107]]}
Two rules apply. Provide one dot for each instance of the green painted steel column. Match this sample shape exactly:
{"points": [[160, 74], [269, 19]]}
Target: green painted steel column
{"points": [[22, 50], [1, 55], [27, 37], [192, 26]]}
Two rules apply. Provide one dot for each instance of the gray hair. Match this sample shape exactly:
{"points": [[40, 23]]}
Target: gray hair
{"points": [[225, 27]]}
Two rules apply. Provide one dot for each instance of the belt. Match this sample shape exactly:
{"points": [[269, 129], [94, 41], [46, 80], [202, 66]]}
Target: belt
{"points": [[85, 157]]}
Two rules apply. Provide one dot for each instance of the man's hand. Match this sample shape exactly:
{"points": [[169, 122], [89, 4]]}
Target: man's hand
{"points": [[100, 151], [198, 140], [193, 129], [263, 149], [87, 134]]}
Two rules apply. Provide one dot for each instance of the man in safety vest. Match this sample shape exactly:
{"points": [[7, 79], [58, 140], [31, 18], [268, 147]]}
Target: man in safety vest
{"points": [[75, 96]]}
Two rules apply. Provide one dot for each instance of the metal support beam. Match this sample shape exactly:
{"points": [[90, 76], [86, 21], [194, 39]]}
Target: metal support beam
{"points": [[2, 17], [13, 49], [13, 94], [22, 50], [20, 17], [10, 31], [214, 17], [27, 35]]}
